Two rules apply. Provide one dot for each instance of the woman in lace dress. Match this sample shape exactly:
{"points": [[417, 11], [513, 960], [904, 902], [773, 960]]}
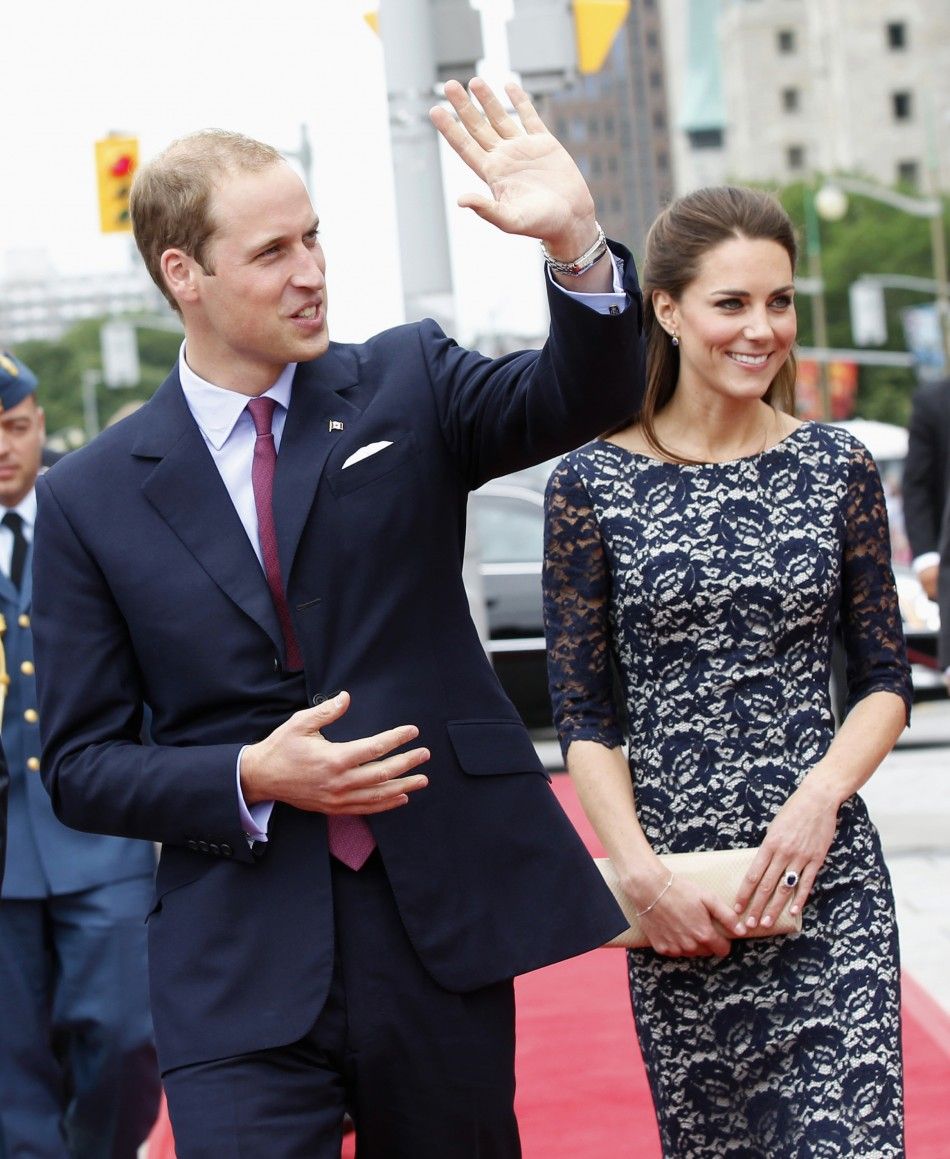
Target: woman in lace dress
{"points": [[705, 552]]}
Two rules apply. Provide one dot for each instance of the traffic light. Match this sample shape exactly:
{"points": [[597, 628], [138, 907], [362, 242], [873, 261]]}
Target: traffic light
{"points": [[596, 24], [550, 42], [117, 159], [456, 31]]}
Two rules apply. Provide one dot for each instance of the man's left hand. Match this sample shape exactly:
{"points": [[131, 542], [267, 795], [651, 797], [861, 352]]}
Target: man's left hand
{"points": [[536, 188]]}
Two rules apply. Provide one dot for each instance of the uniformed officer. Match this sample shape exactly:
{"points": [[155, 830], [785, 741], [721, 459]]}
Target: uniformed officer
{"points": [[78, 1074]]}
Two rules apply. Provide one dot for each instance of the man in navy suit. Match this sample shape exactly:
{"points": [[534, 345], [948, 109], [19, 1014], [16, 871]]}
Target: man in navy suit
{"points": [[78, 1072], [926, 482], [340, 909]]}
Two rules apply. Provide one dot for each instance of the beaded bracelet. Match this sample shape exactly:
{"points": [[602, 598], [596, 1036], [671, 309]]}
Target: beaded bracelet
{"points": [[643, 912]]}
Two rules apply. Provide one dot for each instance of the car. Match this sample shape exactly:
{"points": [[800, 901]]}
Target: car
{"points": [[508, 517]]}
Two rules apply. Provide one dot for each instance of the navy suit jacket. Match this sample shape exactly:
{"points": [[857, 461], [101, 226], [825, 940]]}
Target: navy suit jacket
{"points": [[149, 593], [44, 857], [926, 481]]}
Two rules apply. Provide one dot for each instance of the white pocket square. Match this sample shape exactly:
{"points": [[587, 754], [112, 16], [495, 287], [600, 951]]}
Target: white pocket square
{"points": [[365, 452]]}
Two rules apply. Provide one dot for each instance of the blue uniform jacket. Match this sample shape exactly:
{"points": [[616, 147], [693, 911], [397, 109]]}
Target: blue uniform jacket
{"points": [[44, 857]]}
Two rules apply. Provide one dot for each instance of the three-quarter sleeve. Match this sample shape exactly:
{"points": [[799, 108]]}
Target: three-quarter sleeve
{"points": [[576, 590], [870, 615]]}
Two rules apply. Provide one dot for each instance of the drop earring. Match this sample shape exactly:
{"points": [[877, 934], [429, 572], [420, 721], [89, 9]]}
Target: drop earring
{"points": [[674, 338]]}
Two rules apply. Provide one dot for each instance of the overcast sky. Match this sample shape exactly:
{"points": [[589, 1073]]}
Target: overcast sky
{"points": [[75, 72]]}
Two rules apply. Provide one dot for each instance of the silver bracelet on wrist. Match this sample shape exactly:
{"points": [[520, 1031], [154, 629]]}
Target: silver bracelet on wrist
{"points": [[586, 261], [643, 912]]}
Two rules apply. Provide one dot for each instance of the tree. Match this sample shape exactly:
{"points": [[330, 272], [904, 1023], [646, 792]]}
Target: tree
{"points": [[872, 238], [60, 366]]}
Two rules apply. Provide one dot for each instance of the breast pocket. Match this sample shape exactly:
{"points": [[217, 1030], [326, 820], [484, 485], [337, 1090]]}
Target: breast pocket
{"points": [[391, 463]]}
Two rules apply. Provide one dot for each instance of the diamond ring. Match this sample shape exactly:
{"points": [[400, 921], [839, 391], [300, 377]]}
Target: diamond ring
{"points": [[790, 880]]}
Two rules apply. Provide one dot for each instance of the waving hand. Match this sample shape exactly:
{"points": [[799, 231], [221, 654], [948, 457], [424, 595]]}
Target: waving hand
{"points": [[536, 189]]}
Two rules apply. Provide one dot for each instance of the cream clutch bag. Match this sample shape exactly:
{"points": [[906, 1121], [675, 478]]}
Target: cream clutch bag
{"points": [[718, 870]]}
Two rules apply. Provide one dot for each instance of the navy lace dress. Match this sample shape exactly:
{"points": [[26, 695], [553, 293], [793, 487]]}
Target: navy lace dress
{"points": [[716, 589]]}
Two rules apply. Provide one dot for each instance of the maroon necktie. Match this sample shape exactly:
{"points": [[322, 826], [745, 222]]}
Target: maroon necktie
{"points": [[350, 837]]}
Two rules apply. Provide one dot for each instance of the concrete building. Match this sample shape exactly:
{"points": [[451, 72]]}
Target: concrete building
{"points": [[38, 302], [803, 87], [616, 125]]}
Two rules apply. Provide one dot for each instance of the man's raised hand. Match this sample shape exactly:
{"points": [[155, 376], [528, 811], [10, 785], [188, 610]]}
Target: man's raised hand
{"points": [[536, 188]]}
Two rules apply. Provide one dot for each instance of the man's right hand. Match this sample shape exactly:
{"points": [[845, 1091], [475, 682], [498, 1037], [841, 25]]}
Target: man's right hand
{"points": [[296, 764], [928, 580]]}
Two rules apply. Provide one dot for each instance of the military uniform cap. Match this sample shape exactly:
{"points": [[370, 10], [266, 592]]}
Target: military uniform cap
{"points": [[16, 381]]}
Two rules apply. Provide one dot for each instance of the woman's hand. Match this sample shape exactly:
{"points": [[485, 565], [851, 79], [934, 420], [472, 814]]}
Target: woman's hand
{"points": [[788, 861], [688, 922]]}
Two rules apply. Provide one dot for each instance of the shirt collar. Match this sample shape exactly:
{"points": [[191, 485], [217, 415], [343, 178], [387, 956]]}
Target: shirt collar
{"points": [[216, 410], [26, 509]]}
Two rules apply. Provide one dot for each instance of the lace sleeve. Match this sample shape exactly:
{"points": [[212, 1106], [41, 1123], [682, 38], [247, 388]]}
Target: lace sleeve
{"points": [[576, 588], [870, 616]]}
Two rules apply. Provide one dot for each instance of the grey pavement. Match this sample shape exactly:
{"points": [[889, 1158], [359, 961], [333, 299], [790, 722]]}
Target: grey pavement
{"points": [[909, 799]]}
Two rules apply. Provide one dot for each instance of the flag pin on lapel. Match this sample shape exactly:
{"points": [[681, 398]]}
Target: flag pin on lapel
{"points": [[335, 425]]}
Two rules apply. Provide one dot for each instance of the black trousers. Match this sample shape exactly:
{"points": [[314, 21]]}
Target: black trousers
{"points": [[425, 1073]]}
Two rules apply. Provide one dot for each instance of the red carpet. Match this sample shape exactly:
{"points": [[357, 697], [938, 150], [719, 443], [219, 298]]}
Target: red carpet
{"points": [[582, 1093]]}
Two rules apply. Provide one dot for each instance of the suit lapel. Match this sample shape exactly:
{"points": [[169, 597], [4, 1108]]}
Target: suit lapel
{"points": [[8, 592], [186, 489], [26, 591], [319, 400]]}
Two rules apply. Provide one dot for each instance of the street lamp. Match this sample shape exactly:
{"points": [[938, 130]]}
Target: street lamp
{"points": [[816, 287], [831, 203]]}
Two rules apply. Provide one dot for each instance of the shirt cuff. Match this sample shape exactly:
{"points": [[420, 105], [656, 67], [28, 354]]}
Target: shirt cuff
{"points": [[254, 818], [614, 302], [928, 559]]}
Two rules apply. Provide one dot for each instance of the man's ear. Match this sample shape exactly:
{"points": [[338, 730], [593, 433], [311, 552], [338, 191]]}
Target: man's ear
{"points": [[664, 307], [180, 272]]}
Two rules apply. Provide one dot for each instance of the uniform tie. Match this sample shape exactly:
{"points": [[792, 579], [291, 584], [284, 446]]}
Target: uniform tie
{"points": [[350, 837], [18, 555]]}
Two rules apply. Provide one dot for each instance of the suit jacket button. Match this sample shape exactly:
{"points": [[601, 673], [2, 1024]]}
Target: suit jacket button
{"points": [[23, 620], [214, 848], [317, 698], [33, 764], [203, 846], [27, 668], [276, 663], [192, 844], [31, 716], [226, 850]]}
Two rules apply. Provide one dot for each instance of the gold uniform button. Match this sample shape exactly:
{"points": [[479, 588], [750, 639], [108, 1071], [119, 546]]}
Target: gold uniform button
{"points": [[23, 620], [31, 716], [33, 764], [27, 668]]}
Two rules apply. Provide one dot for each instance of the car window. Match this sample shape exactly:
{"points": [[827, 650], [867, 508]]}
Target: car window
{"points": [[509, 530]]}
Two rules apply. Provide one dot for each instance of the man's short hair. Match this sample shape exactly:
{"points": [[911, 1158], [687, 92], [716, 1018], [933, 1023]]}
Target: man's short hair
{"points": [[170, 203]]}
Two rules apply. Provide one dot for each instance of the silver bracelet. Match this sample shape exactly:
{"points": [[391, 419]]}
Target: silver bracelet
{"points": [[586, 261], [643, 912]]}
